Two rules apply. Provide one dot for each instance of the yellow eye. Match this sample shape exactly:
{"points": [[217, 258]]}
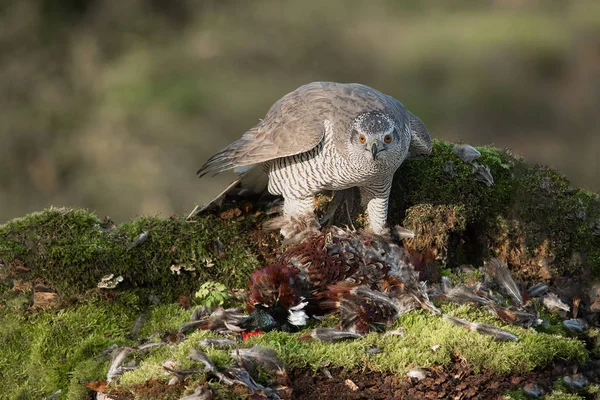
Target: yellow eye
{"points": [[362, 138], [387, 138]]}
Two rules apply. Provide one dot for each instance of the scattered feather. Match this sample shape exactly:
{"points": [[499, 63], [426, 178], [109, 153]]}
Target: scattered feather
{"points": [[554, 304], [351, 385], [326, 372], [196, 355], [106, 352], [200, 313], [258, 356], [462, 294], [484, 329], [217, 343], [537, 290], [203, 392], [330, 335], [446, 284], [533, 390], [403, 233], [139, 241], [483, 174], [396, 332], [577, 381], [115, 365], [576, 325], [466, 152], [54, 395], [189, 326], [498, 272], [416, 373], [150, 345]]}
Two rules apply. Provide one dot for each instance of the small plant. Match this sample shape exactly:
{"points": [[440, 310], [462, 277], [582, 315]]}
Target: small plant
{"points": [[211, 294]]}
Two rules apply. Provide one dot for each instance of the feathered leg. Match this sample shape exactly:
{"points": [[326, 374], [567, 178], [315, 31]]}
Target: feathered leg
{"points": [[375, 199], [298, 218]]}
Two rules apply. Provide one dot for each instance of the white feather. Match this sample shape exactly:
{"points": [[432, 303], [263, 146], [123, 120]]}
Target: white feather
{"points": [[297, 315]]}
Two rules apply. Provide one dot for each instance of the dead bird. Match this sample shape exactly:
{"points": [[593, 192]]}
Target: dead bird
{"points": [[366, 278], [362, 309], [265, 319], [484, 329], [331, 335], [275, 300]]}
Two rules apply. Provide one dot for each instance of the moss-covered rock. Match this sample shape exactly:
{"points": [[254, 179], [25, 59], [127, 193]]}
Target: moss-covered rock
{"points": [[71, 250], [530, 217]]}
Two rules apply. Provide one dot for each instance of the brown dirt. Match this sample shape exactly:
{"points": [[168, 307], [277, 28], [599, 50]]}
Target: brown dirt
{"points": [[458, 382]]}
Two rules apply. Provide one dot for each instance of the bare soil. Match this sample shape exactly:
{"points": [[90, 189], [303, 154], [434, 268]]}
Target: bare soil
{"points": [[458, 382]]}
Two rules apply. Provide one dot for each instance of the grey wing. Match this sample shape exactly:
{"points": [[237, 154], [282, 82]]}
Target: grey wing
{"points": [[349, 99], [420, 142], [293, 125]]}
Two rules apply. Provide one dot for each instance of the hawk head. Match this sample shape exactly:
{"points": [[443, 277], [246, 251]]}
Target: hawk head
{"points": [[377, 137]]}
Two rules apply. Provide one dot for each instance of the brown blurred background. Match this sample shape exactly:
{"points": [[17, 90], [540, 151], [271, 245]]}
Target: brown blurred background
{"points": [[114, 105]]}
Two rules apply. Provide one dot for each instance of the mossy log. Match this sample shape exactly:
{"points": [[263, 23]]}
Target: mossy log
{"points": [[530, 217]]}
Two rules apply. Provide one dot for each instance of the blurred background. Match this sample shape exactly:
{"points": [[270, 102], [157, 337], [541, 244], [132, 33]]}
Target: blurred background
{"points": [[113, 106]]}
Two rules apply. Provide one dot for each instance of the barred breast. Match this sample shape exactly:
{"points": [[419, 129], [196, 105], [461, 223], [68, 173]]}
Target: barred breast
{"points": [[321, 168]]}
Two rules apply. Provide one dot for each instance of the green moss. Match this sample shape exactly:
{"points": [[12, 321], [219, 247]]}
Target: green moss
{"points": [[50, 350], [594, 261], [527, 208], [530, 211], [397, 354], [71, 251], [163, 318], [443, 178]]}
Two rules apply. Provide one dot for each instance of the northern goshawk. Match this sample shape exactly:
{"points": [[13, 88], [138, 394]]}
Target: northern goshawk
{"points": [[327, 136]]}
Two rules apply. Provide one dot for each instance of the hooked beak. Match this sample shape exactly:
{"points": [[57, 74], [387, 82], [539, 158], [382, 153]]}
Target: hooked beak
{"points": [[374, 146]]}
